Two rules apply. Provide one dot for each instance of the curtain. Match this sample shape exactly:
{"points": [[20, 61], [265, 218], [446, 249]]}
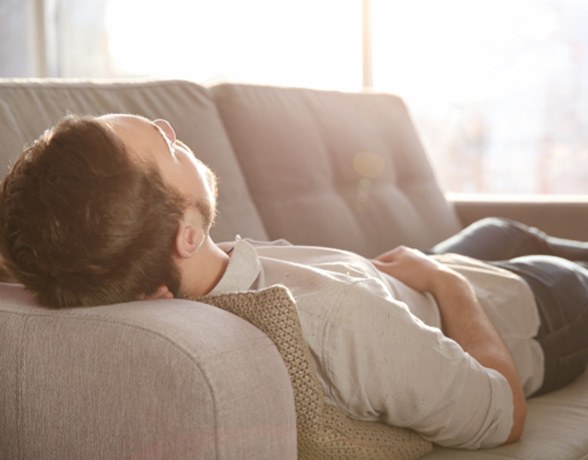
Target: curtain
{"points": [[17, 40], [53, 38]]}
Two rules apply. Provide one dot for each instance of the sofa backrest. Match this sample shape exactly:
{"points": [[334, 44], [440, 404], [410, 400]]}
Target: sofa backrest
{"points": [[28, 107], [335, 169], [314, 167]]}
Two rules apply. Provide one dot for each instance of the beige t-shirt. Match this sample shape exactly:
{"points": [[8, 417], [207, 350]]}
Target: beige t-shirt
{"points": [[379, 352]]}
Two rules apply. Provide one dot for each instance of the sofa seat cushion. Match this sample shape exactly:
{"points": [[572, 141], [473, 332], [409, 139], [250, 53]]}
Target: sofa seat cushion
{"points": [[335, 169]]}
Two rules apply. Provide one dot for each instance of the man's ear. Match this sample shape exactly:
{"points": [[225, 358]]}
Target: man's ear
{"points": [[189, 238], [162, 292]]}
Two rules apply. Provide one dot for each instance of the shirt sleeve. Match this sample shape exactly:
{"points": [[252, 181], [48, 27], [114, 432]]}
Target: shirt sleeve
{"points": [[380, 362]]}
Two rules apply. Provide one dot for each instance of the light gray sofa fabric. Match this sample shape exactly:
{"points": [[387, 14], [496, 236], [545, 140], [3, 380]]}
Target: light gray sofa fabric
{"points": [[28, 108], [178, 379], [148, 380], [335, 169]]}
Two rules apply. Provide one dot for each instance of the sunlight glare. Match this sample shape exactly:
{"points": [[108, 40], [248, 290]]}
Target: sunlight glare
{"points": [[452, 50], [298, 43]]}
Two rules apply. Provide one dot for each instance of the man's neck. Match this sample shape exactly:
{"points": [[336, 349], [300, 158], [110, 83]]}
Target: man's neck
{"points": [[201, 273]]}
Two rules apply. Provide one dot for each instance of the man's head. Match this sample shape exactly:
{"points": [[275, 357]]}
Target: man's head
{"points": [[99, 209]]}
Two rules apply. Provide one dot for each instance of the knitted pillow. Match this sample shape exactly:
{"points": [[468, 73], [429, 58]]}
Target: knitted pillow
{"points": [[323, 431]]}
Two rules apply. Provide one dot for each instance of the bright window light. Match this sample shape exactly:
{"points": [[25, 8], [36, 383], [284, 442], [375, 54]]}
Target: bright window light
{"points": [[300, 43], [498, 89]]}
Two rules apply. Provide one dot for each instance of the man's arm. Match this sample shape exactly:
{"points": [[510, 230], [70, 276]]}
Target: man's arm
{"points": [[462, 317]]}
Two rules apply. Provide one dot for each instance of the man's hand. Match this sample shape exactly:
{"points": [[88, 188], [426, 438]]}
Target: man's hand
{"points": [[463, 319], [411, 267]]}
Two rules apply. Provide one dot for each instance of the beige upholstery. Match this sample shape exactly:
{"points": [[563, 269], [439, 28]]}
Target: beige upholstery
{"points": [[179, 379], [27, 109], [565, 216], [335, 169], [145, 380]]}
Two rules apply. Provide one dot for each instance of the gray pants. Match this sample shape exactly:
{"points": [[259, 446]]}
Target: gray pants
{"points": [[556, 269]]}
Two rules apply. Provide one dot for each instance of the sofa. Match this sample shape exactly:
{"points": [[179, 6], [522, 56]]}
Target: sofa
{"points": [[179, 379]]}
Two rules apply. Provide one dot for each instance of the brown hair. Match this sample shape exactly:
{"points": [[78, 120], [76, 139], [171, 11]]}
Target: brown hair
{"points": [[82, 224], [5, 275]]}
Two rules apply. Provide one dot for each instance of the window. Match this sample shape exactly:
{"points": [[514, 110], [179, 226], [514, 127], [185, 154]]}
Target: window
{"points": [[498, 90], [298, 43], [17, 57]]}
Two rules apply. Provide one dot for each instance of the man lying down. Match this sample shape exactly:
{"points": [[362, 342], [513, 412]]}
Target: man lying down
{"points": [[114, 208]]}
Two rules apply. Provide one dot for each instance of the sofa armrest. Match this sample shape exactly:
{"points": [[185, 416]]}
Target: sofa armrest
{"points": [[165, 379], [560, 215]]}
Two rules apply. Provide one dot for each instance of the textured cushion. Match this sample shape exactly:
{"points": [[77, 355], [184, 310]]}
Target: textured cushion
{"points": [[324, 432], [344, 170], [28, 107]]}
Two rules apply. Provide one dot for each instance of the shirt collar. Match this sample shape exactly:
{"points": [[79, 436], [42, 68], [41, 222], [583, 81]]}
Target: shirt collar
{"points": [[243, 269]]}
